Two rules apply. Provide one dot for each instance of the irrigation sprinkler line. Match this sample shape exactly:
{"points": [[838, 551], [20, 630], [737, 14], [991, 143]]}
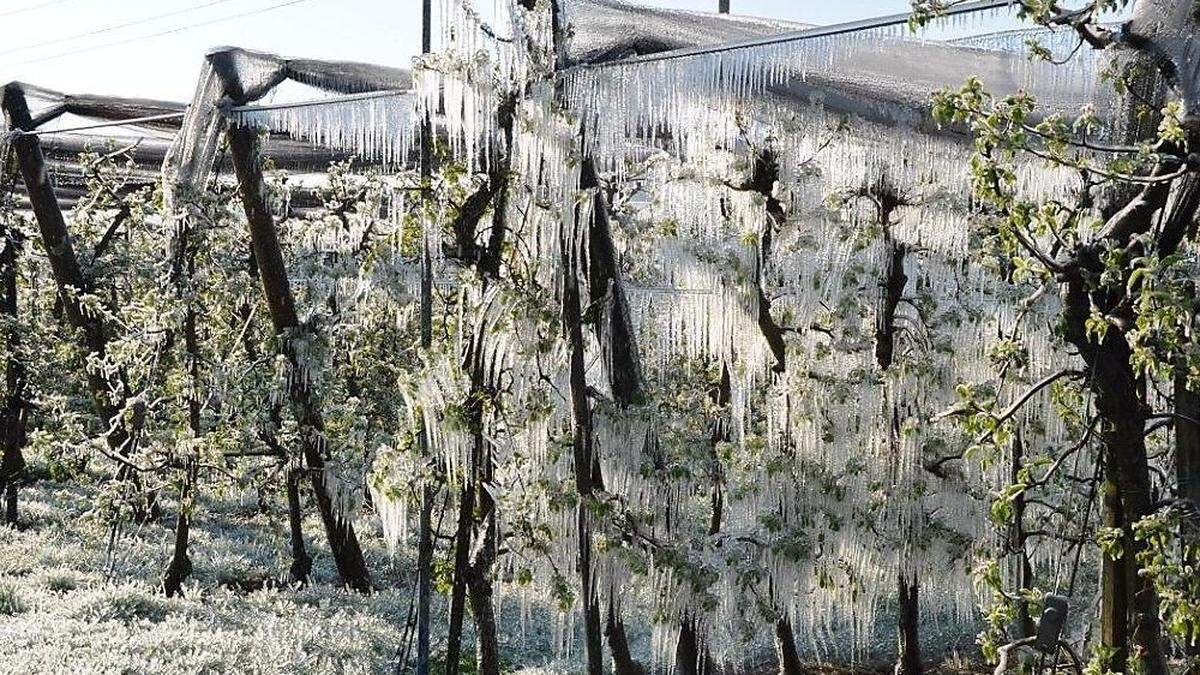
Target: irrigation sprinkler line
{"points": [[383, 93], [791, 36]]}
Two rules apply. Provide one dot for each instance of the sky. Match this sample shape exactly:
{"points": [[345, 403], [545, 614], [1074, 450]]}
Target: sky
{"points": [[154, 48]]}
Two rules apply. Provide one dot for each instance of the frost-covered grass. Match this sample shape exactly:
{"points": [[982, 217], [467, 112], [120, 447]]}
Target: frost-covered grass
{"points": [[72, 603]]}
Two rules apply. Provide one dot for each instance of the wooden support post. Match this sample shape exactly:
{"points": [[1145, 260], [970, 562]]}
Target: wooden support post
{"points": [[425, 519], [343, 543]]}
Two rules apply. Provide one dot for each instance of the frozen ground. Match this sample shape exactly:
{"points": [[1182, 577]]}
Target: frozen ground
{"points": [[72, 603]]}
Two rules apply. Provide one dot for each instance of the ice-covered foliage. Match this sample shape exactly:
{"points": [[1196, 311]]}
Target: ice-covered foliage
{"points": [[833, 470], [791, 317]]}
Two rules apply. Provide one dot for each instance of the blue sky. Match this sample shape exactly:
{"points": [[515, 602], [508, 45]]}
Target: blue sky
{"points": [[376, 31]]}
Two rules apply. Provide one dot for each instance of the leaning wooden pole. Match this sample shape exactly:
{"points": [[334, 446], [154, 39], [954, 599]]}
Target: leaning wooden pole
{"points": [[343, 543], [109, 396]]}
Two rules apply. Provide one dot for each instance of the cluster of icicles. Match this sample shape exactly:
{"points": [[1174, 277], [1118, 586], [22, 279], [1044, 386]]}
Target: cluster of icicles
{"points": [[835, 498]]}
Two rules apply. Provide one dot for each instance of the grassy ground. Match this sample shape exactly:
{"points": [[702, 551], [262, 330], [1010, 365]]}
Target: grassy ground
{"points": [[74, 601]]}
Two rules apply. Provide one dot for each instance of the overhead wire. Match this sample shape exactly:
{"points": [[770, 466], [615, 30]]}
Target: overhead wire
{"points": [[119, 26], [171, 31], [22, 10]]}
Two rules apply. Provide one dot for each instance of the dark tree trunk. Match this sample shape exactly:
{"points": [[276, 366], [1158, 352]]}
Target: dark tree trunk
{"points": [[462, 561], [491, 256], [615, 332], [483, 546], [909, 647], [785, 648], [908, 658], [609, 315], [891, 291], [618, 644], [1187, 440], [1187, 466], [10, 503], [343, 543], [424, 521], [690, 658], [71, 283], [584, 457], [1018, 538], [476, 541], [301, 562], [1129, 614], [12, 417], [180, 565], [479, 584], [720, 434], [424, 577], [723, 6]]}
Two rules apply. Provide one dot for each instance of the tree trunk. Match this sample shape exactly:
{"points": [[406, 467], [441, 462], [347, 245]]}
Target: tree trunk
{"points": [[180, 566], [462, 561], [479, 584], [301, 561], [483, 547], [12, 417], [424, 577], [891, 292], [785, 648], [908, 661], [1129, 615], [609, 315], [891, 287], [1187, 440], [1187, 467], [339, 530], [615, 331], [1017, 536], [584, 458], [690, 659], [618, 644], [69, 278]]}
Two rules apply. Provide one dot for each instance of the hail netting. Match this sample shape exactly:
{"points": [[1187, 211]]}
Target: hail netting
{"points": [[880, 74]]}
